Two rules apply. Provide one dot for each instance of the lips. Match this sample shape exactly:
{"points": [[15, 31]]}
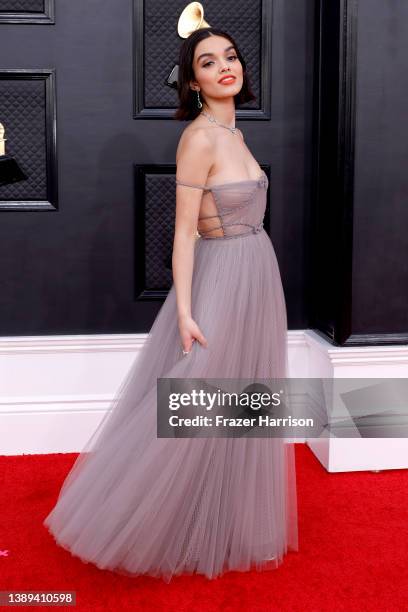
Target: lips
{"points": [[227, 79]]}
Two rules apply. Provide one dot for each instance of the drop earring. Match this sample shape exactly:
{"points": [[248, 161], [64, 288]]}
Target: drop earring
{"points": [[199, 103]]}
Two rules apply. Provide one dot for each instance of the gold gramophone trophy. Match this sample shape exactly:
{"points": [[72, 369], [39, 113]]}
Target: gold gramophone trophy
{"points": [[190, 20], [10, 171]]}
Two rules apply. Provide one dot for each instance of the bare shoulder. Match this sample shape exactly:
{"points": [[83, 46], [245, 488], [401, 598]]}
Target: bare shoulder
{"points": [[195, 140], [241, 134]]}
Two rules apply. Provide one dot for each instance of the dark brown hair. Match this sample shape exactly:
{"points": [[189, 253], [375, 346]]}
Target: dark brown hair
{"points": [[187, 97]]}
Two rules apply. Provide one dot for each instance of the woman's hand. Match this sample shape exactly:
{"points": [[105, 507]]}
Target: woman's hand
{"points": [[189, 331]]}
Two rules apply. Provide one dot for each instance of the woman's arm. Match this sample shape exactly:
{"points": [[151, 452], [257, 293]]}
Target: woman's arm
{"points": [[194, 160]]}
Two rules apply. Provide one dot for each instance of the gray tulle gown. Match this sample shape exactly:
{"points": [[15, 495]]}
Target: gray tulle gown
{"points": [[137, 504]]}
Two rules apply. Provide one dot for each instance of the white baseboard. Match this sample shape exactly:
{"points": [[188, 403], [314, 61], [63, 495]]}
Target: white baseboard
{"points": [[357, 454], [55, 390]]}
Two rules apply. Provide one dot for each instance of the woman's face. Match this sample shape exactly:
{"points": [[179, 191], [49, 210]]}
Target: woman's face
{"points": [[214, 58]]}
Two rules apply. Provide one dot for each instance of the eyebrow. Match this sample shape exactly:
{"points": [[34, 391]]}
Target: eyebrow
{"points": [[212, 54]]}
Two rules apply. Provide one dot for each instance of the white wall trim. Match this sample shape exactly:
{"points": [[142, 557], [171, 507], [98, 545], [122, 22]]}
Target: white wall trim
{"points": [[356, 454], [10, 345], [54, 390]]}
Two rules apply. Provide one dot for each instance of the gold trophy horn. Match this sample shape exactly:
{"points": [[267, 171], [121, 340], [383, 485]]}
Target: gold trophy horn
{"points": [[10, 171], [191, 19], [2, 140]]}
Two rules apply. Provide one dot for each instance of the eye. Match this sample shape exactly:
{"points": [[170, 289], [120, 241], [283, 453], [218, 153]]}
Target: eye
{"points": [[233, 57]]}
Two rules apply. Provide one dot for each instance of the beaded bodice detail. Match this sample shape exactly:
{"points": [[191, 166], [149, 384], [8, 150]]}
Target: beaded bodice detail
{"points": [[240, 207]]}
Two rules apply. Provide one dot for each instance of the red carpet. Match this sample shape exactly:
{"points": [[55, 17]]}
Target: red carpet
{"points": [[353, 538]]}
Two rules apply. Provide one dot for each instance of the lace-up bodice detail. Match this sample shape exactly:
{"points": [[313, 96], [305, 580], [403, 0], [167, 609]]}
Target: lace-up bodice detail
{"points": [[240, 207]]}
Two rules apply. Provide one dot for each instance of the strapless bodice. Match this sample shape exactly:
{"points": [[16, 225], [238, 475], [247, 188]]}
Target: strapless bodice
{"points": [[240, 207]]}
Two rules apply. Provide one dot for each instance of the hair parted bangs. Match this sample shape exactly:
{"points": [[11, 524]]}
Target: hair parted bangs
{"points": [[187, 108]]}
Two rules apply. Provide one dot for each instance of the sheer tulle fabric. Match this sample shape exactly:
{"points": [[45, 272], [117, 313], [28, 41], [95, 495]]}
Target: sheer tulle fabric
{"points": [[141, 505]]}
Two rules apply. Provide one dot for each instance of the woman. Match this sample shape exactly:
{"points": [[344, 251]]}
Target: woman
{"points": [[137, 504]]}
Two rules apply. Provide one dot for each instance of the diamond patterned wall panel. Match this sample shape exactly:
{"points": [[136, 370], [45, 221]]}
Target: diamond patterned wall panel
{"points": [[154, 231], [27, 11], [22, 6], [27, 113], [157, 44], [159, 228]]}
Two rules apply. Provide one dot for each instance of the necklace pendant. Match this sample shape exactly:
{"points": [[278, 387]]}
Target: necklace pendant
{"points": [[214, 120]]}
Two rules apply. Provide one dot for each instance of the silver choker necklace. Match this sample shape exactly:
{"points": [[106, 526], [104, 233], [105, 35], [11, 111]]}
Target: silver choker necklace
{"points": [[214, 120]]}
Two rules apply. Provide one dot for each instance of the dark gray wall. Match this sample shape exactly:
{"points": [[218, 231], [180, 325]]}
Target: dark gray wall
{"points": [[380, 245], [72, 271]]}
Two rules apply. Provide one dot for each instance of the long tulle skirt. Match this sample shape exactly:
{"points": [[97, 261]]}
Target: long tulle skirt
{"points": [[137, 504]]}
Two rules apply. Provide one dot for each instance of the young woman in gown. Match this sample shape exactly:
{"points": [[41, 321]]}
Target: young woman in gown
{"points": [[137, 504]]}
